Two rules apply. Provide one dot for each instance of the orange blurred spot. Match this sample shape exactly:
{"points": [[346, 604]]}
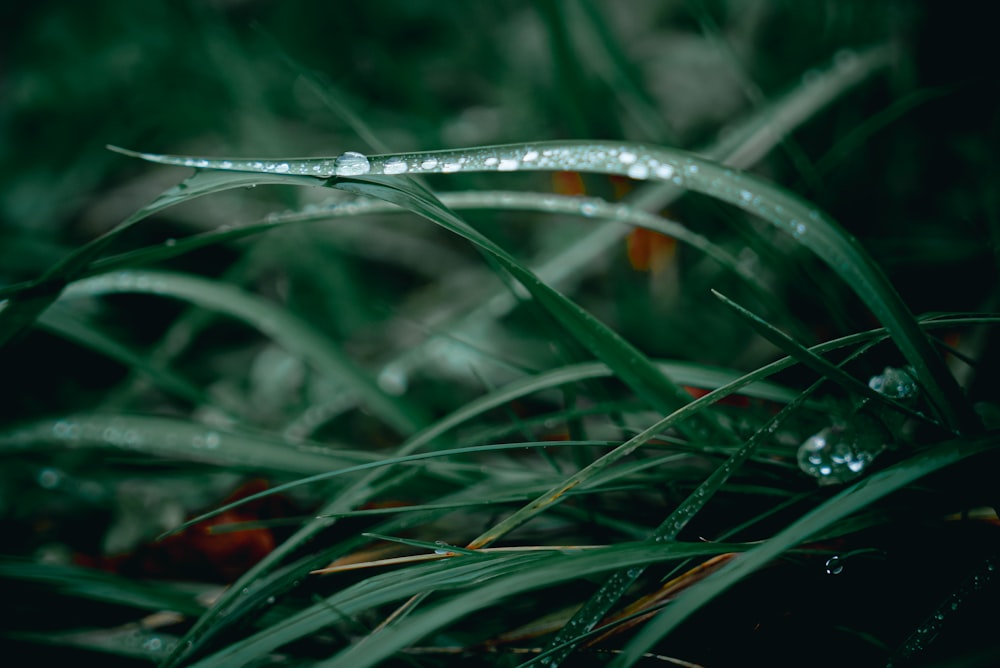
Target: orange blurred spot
{"points": [[200, 553], [650, 251], [568, 183]]}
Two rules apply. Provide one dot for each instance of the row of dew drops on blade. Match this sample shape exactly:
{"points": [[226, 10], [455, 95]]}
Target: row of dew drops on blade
{"points": [[634, 161]]}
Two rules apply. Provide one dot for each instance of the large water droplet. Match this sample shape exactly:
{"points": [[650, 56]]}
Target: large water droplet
{"points": [[351, 164], [395, 166], [838, 454], [834, 565], [895, 383], [638, 171]]}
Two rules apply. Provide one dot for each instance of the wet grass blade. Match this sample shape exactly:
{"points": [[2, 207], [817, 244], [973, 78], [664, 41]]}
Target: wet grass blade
{"points": [[20, 311], [855, 498], [178, 440], [294, 334]]}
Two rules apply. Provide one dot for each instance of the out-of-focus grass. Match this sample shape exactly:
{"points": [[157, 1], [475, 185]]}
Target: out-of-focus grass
{"points": [[444, 393]]}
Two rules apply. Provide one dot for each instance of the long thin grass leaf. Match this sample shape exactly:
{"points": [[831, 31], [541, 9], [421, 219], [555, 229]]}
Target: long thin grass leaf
{"points": [[851, 500], [297, 336], [179, 440]]}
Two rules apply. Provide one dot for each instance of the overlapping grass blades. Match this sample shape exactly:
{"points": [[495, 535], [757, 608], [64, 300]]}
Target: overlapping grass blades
{"points": [[291, 332], [851, 500], [731, 187]]}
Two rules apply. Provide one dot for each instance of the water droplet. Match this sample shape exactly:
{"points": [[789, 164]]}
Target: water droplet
{"points": [[834, 565], [895, 384], [281, 168], [153, 644], [170, 242], [48, 478], [665, 171], [454, 166], [530, 156], [638, 171], [270, 600], [393, 381], [212, 440], [491, 161], [226, 164], [588, 209], [746, 195], [394, 166], [429, 163], [444, 545], [626, 157], [351, 163], [839, 453], [508, 165]]}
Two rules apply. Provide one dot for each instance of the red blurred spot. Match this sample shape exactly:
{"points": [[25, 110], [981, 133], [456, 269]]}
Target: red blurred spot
{"points": [[199, 553], [650, 251], [567, 183]]}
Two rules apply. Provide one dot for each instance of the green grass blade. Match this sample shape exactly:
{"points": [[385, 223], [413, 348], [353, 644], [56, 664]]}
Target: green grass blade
{"points": [[813, 361], [20, 311], [294, 334], [97, 586], [611, 591], [60, 321], [628, 363], [851, 500], [179, 440]]}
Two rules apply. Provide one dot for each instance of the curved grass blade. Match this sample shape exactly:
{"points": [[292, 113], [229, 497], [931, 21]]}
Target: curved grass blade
{"points": [[856, 497], [61, 322], [611, 591], [504, 575], [632, 367], [19, 311], [95, 585], [813, 361], [291, 332], [804, 222], [178, 440]]}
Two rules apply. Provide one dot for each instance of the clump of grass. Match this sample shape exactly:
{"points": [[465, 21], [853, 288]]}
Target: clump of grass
{"points": [[371, 440]]}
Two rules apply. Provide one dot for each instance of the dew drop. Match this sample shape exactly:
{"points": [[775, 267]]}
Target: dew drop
{"points": [[48, 478], [351, 163], [530, 156], [626, 157], [393, 381], [170, 242], [834, 565], [746, 195], [491, 161], [282, 168], [838, 454], [508, 165], [895, 383], [588, 209], [153, 644], [226, 164], [212, 440], [638, 171], [450, 167], [429, 163], [394, 166], [665, 171]]}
